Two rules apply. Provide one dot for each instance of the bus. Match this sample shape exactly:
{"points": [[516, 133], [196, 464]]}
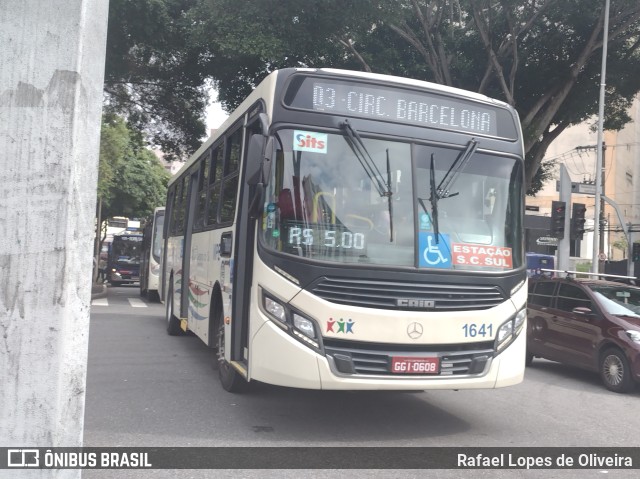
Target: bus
{"points": [[123, 265], [537, 263], [151, 255], [353, 231]]}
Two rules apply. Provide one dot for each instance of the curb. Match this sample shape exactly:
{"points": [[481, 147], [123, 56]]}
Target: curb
{"points": [[98, 290]]}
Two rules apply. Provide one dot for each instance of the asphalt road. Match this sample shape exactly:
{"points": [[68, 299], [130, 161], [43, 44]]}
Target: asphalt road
{"points": [[145, 388]]}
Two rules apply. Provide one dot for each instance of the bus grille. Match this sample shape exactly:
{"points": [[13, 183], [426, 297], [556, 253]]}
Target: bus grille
{"points": [[424, 296], [367, 360]]}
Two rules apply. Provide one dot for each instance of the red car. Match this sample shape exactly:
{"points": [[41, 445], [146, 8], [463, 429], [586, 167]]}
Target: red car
{"points": [[588, 323]]}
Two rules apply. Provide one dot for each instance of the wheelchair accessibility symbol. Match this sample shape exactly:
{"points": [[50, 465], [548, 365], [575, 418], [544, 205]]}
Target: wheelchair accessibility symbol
{"points": [[434, 255]]}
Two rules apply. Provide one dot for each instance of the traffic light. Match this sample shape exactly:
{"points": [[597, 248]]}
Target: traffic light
{"points": [[577, 220], [558, 213], [635, 252]]}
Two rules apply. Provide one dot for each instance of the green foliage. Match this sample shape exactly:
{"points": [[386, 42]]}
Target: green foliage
{"points": [[131, 181], [541, 56], [154, 75]]}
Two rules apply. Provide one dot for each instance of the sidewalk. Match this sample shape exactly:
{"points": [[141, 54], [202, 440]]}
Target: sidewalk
{"points": [[98, 290]]}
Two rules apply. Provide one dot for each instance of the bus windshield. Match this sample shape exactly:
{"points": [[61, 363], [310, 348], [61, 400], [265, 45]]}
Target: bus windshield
{"points": [[331, 198], [126, 250], [158, 225]]}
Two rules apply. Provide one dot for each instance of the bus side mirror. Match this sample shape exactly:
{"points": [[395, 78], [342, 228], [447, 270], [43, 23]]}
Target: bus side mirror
{"points": [[266, 161], [259, 156], [257, 201], [255, 153]]}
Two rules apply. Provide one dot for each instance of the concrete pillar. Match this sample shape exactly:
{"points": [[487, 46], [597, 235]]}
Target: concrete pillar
{"points": [[51, 80]]}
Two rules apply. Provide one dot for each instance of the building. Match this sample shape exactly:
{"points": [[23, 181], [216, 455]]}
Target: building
{"points": [[576, 149]]}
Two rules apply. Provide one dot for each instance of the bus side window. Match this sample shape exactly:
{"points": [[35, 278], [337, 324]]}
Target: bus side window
{"points": [[201, 207], [177, 222], [215, 182], [230, 181]]}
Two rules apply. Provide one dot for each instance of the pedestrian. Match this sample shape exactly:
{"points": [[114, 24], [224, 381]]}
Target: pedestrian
{"points": [[102, 270]]}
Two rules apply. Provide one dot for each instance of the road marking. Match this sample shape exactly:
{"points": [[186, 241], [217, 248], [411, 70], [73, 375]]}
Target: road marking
{"points": [[137, 303], [100, 302]]}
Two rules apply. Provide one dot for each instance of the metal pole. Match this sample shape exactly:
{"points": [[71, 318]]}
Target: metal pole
{"points": [[564, 245], [96, 274], [598, 175], [630, 249]]}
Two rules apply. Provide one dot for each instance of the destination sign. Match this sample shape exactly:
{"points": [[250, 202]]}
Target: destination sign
{"points": [[422, 108]]}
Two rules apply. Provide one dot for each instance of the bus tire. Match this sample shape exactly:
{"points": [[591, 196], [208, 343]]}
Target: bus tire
{"points": [[528, 359], [173, 323], [231, 380]]}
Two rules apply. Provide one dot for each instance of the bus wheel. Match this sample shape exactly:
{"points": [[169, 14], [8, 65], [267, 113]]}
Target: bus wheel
{"points": [[173, 324], [230, 379], [528, 359], [615, 371]]}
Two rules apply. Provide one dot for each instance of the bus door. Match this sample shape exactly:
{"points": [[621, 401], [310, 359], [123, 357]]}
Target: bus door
{"points": [[165, 238], [243, 249], [186, 247]]}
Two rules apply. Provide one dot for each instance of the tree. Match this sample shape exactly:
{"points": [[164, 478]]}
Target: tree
{"points": [[131, 180], [541, 56], [156, 74]]}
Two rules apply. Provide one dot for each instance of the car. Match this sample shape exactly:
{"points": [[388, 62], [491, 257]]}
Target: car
{"points": [[592, 324]]}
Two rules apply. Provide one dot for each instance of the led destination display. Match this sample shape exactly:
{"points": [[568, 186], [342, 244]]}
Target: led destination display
{"points": [[423, 108]]}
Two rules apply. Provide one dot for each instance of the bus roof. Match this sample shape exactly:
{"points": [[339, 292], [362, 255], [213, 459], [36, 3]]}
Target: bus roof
{"points": [[411, 82], [266, 89]]}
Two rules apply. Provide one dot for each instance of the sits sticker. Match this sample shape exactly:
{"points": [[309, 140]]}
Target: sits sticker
{"points": [[309, 141]]}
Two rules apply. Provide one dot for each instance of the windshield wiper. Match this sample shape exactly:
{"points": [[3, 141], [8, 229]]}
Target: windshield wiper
{"points": [[357, 146], [433, 199], [442, 190], [454, 170], [371, 169], [389, 202]]}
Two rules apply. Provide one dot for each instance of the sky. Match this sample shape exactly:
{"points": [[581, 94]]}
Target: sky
{"points": [[215, 115]]}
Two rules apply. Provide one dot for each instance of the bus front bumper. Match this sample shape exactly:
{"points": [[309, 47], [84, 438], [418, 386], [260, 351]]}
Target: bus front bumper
{"points": [[285, 361]]}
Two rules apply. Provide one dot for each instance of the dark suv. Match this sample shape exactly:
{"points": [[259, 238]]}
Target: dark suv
{"points": [[592, 324]]}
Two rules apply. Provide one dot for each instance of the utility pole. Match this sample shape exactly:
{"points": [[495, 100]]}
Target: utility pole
{"points": [[595, 267], [564, 244], [602, 222]]}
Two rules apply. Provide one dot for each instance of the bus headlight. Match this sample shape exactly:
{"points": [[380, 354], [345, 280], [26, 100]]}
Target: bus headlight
{"points": [[504, 332], [295, 323], [275, 309], [304, 325], [519, 321], [510, 329]]}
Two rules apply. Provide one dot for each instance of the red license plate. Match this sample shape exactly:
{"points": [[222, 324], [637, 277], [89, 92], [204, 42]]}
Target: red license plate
{"points": [[413, 365]]}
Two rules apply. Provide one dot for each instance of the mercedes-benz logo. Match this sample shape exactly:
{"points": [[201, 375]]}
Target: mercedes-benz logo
{"points": [[414, 330]]}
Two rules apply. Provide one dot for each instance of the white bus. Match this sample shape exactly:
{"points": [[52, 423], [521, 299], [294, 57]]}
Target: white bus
{"points": [[348, 230], [152, 242]]}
